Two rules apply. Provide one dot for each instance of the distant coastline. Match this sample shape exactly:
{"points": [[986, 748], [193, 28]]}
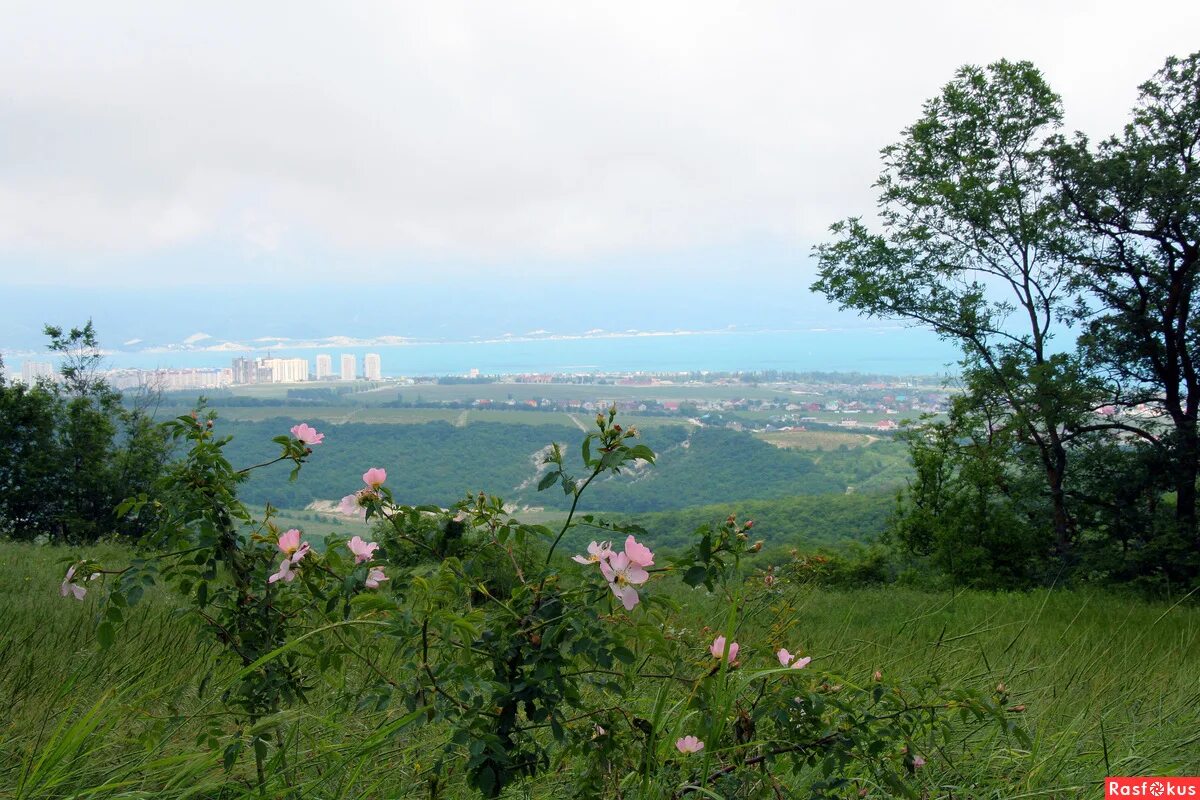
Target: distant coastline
{"points": [[883, 351]]}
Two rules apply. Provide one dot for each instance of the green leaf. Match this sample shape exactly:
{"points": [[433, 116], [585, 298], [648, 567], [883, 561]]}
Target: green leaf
{"points": [[695, 576], [231, 754], [624, 655], [260, 749], [105, 635], [548, 480], [643, 452]]}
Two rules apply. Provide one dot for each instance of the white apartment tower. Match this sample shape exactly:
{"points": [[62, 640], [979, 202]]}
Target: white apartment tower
{"points": [[324, 366], [373, 367], [33, 371], [349, 367], [287, 370]]}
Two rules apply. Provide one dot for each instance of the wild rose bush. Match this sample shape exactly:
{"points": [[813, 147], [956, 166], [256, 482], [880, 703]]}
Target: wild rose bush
{"points": [[516, 659]]}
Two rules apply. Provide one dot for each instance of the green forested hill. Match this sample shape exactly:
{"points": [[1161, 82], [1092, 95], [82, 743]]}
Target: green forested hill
{"points": [[439, 462], [806, 522]]}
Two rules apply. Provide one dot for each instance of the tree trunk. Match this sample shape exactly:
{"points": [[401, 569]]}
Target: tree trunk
{"points": [[1187, 467], [1063, 526], [1055, 459]]}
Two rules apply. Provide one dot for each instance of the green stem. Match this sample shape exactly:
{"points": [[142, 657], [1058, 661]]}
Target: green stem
{"points": [[570, 515], [263, 464]]}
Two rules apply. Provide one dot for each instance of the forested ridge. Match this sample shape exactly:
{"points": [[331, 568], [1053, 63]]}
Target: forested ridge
{"points": [[438, 463]]}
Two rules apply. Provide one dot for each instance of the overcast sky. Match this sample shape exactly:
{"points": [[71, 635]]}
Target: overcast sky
{"points": [[172, 144]]}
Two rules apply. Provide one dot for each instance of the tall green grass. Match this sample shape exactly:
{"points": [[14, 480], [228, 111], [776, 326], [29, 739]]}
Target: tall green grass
{"points": [[1109, 685]]}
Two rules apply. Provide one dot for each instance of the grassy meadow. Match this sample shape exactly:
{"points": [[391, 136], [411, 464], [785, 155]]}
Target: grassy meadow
{"points": [[816, 439], [1108, 684]]}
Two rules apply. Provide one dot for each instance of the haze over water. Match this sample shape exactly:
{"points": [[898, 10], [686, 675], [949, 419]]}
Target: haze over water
{"points": [[893, 351]]}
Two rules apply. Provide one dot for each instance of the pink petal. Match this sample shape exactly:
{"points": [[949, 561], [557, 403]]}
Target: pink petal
{"points": [[638, 553], [626, 594], [307, 434], [606, 569], [374, 577], [285, 572], [582, 560], [350, 506], [801, 663], [289, 541], [718, 647], [635, 574], [785, 657], [362, 550]]}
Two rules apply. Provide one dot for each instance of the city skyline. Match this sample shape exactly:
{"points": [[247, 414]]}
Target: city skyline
{"points": [[243, 371]]}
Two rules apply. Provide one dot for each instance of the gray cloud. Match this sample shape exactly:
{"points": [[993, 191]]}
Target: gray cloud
{"points": [[472, 133]]}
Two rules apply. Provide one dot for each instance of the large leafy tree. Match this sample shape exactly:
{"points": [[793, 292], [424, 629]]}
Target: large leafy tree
{"points": [[90, 415], [1134, 200], [73, 449], [972, 243], [30, 474]]}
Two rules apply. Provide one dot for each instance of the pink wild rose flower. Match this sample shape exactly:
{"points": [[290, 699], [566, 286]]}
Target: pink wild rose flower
{"points": [[597, 552], [291, 546], [363, 551], [718, 649], [307, 434], [350, 507], [355, 505], [375, 477], [285, 573], [70, 587], [374, 577], [786, 659], [622, 575], [689, 744]]}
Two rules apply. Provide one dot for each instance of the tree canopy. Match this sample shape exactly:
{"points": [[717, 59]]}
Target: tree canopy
{"points": [[1066, 274]]}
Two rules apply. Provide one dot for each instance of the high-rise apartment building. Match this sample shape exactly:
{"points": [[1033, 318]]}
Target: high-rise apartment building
{"points": [[287, 370], [373, 367], [170, 380], [244, 371], [324, 366], [349, 366], [31, 371], [270, 370]]}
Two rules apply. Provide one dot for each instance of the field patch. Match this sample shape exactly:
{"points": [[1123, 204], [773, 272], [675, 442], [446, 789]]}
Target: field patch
{"points": [[816, 440]]}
